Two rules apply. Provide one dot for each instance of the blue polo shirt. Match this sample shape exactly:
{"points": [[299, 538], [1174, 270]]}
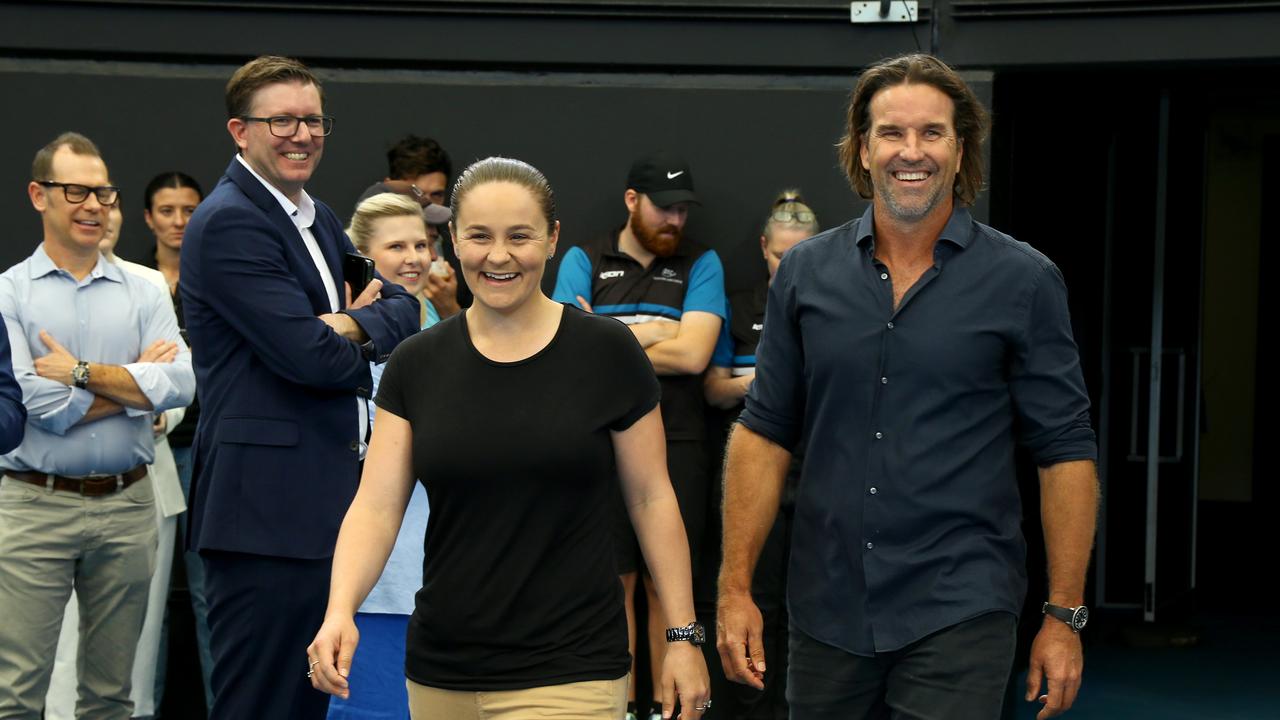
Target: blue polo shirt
{"points": [[907, 515], [617, 285]]}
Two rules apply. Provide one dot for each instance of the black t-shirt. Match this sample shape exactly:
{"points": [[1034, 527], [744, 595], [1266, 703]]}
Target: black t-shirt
{"points": [[519, 588]]}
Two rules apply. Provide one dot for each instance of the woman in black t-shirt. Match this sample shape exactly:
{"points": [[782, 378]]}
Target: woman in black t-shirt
{"points": [[531, 410]]}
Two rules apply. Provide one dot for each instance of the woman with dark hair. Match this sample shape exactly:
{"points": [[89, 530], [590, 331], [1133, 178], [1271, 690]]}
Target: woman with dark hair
{"points": [[171, 197], [533, 409]]}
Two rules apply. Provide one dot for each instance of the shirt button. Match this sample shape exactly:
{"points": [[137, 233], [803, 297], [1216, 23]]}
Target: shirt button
{"points": [[884, 381], [871, 546], [873, 491], [354, 446], [879, 435], [890, 324], [884, 276]]}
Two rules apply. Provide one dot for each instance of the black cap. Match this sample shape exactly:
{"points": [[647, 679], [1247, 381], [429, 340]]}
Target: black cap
{"points": [[664, 177]]}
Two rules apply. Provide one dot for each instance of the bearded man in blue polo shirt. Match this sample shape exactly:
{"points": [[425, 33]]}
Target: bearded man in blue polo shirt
{"points": [[670, 291], [914, 349]]}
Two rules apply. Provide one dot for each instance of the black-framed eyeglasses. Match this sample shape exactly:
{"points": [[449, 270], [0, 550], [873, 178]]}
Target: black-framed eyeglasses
{"points": [[800, 216], [287, 125], [76, 193]]}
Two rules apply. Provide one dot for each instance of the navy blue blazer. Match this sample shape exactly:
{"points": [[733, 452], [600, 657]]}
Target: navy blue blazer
{"points": [[13, 414], [276, 451]]}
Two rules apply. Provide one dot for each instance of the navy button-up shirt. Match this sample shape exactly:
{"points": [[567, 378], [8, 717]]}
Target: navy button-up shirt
{"points": [[907, 516]]}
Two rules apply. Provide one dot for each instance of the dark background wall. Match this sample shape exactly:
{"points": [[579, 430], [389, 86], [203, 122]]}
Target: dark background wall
{"points": [[746, 137], [752, 91]]}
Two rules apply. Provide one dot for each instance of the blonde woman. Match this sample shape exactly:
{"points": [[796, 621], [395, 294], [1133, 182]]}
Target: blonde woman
{"points": [[390, 229]]}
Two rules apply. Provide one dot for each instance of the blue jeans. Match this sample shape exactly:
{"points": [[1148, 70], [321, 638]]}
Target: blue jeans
{"points": [[195, 584], [957, 673]]}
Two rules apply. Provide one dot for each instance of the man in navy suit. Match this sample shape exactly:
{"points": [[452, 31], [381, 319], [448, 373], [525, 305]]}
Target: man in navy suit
{"points": [[283, 372]]}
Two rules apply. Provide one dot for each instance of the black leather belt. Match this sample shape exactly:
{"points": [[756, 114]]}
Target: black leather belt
{"points": [[92, 486]]}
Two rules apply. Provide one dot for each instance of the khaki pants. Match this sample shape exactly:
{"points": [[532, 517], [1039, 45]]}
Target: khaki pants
{"points": [[591, 700], [50, 542]]}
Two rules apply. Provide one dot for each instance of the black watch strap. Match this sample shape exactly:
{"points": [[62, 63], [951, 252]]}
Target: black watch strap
{"points": [[1075, 617], [693, 633]]}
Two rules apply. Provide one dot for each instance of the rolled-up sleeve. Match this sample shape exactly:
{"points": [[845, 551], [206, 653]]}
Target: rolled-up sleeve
{"points": [[51, 405], [166, 385], [1046, 381], [775, 401]]}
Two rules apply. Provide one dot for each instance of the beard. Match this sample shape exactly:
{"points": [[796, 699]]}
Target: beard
{"points": [[662, 241], [915, 207]]}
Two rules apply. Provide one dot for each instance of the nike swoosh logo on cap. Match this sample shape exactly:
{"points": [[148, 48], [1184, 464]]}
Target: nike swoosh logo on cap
{"points": [[674, 175]]}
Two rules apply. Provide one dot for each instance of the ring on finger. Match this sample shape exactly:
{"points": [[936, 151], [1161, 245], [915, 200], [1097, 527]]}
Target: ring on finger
{"points": [[311, 669]]}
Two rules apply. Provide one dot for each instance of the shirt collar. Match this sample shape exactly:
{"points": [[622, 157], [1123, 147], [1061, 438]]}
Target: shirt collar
{"points": [[42, 264], [958, 230], [303, 214]]}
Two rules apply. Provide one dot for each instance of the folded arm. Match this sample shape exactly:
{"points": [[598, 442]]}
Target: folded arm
{"points": [[690, 350], [246, 279], [723, 389]]}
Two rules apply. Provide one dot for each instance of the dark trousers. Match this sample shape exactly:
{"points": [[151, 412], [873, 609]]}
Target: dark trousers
{"points": [[958, 673], [263, 612]]}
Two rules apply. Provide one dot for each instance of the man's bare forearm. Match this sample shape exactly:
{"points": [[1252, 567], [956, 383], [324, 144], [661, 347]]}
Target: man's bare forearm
{"points": [[1069, 512], [115, 383], [754, 473], [100, 408], [653, 332]]}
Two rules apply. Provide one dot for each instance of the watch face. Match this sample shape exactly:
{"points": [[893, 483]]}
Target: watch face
{"points": [[1080, 618]]}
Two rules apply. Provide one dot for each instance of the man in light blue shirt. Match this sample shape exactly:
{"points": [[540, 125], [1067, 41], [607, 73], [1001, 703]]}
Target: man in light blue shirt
{"points": [[96, 352]]}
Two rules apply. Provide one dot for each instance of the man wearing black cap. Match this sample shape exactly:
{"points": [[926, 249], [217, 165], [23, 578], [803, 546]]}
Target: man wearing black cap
{"points": [[670, 292]]}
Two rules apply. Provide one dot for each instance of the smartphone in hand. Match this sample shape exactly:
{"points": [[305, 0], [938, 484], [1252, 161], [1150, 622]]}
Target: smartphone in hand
{"points": [[357, 271]]}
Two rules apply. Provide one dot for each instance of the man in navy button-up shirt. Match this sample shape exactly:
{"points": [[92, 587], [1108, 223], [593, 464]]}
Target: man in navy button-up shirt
{"points": [[915, 348]]}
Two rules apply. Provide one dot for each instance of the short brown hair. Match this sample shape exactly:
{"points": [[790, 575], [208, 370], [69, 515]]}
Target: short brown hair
{"points": [[970, 121], [261, 72], [508, 170], [42, 166]]}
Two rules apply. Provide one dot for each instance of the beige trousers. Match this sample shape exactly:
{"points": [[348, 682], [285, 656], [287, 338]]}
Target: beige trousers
{"points": [[51, 542], [591, 700]]}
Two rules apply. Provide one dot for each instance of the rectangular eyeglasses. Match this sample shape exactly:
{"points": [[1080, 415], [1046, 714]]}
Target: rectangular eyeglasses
{"points": [[76, 193], [287, 125]]}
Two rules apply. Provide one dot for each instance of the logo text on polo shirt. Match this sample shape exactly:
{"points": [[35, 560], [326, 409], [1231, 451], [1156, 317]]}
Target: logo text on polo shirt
{"points": [[757, 326], [605, 275], [668, 275]]}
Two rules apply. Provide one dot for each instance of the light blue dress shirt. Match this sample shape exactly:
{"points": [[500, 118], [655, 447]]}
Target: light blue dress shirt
{"points": [[109, 317]]}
